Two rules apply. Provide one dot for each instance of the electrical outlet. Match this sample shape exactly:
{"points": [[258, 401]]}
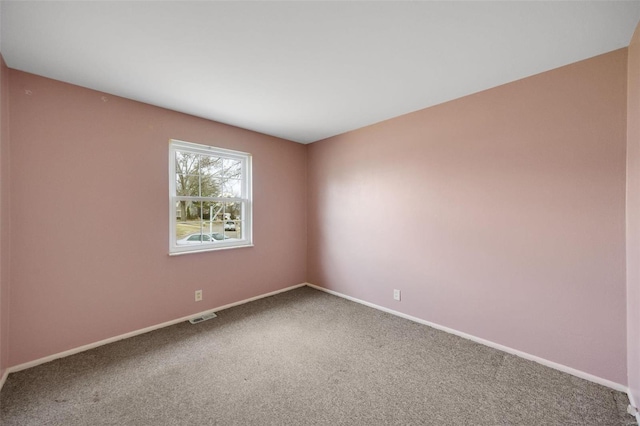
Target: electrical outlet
{"points": [[396, 295], [198, 295]]}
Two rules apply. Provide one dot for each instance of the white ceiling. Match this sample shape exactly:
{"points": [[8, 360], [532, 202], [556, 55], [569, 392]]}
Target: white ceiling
{"points": [[303, 70]]}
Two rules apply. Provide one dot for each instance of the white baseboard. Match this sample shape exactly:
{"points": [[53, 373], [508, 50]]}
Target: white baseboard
{"points": [[83, 348], [633, 403], [545, 362], [3, 378], [551, 364]]}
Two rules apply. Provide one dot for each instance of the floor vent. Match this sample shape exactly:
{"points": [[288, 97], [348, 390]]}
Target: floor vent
{"points": [[202, 318]]}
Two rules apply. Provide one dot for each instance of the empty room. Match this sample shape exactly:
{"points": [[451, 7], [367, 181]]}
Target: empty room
{"points": [[300, 212]]}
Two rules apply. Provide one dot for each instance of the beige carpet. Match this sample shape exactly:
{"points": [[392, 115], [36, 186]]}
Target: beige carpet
{"points": [[302, 357]]}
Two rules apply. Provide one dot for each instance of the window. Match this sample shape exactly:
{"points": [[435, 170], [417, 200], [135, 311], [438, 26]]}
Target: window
{"points": [[210, 198]]}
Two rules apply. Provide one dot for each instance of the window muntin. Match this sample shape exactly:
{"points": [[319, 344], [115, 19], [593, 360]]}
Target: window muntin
{"points": [[210, 198]]}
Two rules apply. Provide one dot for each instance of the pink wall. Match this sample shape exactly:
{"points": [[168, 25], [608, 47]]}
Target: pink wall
{"points": [[633, 218], [4, 217], [501, 215], [90, 223]]}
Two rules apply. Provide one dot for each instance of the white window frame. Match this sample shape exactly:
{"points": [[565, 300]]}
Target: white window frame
{"points": [[246, 197]]}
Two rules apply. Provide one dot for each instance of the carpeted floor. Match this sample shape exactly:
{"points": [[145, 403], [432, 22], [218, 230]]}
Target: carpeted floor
{"points": [[302, 357]]}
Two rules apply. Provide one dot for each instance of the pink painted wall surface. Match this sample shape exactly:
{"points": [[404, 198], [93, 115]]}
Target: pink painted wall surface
{"points": [[633, 217], [501, 215], [90, 226], [4, 217]]}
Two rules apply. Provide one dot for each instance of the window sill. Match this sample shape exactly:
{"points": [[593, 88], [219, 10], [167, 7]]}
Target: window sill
{"points": [[204, 250]]}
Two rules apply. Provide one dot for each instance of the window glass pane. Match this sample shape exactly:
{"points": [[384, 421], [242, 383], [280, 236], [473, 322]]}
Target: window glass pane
{"points": [[188, 211], [187, 163], [233, 229], [195, 211], [213, 211], [233, 211], [211, 226], [211, 166], [218, 236], [210, 186], [197, 238], [180, 213], [232, 168], [216, 228], [233, 222], [187, 185], [188, 219], [232, 188]]}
